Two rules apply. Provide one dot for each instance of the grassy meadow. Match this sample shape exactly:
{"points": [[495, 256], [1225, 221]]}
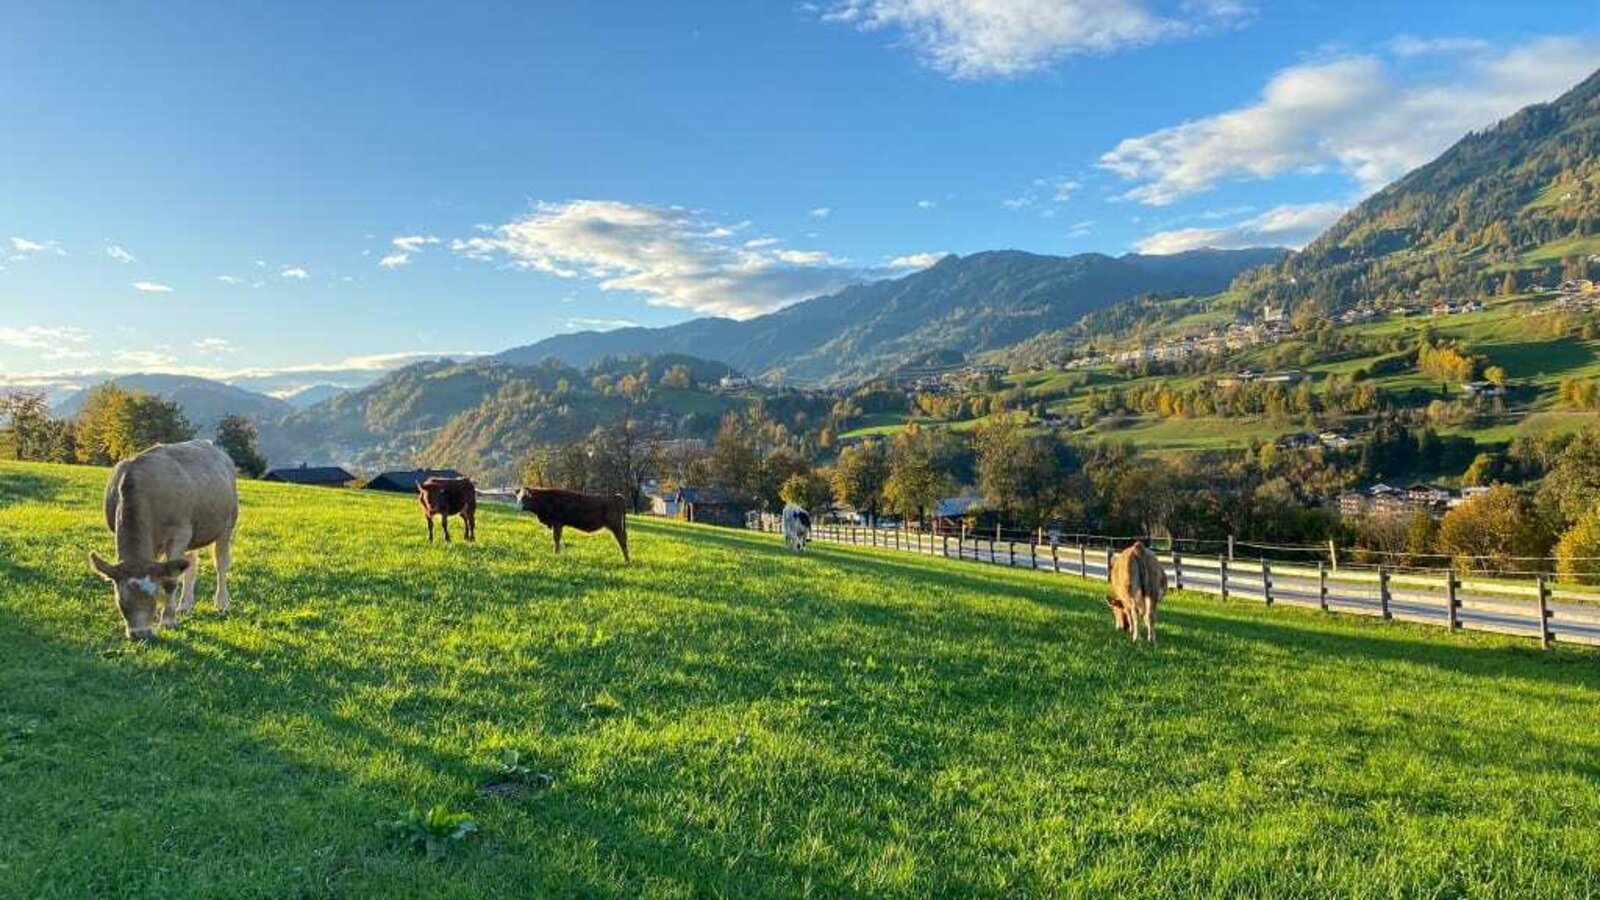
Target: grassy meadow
{"points": [[723, 718]]}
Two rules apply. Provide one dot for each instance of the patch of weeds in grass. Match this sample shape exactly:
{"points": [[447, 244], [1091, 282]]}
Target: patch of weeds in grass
{"points": [[433, 832], [512, 779], [602, 704]]}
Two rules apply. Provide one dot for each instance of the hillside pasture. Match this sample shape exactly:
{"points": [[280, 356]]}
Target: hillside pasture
{"points": [[725, 718]]}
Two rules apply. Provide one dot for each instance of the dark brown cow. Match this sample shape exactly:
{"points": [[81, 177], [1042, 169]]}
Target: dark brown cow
{"points": [[560, 509], [446, 497]]}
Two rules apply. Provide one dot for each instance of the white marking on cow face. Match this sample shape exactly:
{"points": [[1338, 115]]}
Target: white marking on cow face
{"points": [[136, 600]]}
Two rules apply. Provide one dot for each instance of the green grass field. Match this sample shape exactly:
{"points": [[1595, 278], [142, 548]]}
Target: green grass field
{"points": [[722, 718]]}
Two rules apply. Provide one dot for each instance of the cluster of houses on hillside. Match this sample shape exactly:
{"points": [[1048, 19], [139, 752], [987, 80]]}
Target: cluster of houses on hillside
{"points": [[1574, 293], [1384, 501], [1271, 327]]}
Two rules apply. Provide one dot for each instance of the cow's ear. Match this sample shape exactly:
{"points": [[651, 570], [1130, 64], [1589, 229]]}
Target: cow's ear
{"points": [[106, 570], [172, 568]]}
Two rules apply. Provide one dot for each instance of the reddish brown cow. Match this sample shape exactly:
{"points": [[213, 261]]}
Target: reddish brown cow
{"points": [[446, 497], [559, 509]]}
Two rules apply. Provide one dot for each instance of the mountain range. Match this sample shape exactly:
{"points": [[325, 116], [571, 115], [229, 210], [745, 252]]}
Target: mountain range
{"points": [[969, 304]]}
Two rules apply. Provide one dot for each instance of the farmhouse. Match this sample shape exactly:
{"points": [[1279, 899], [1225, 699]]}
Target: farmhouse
{"points": [[320, 476], [714, 505], [406, 481]]}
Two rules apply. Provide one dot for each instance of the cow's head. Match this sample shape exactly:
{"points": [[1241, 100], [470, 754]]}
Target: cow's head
{"points": [[528, 499], [139, 587], [1119, 613]]}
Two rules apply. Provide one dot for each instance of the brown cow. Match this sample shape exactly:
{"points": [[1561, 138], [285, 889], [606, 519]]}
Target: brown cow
{"points": [[446, 497], [164, 505], [558, 509], [1137, 584]]}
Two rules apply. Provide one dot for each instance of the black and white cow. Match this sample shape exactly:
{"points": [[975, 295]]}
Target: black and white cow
{"points": [[796, 527]]}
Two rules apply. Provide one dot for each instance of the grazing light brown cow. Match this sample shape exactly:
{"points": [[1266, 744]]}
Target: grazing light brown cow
{"points": [[558, 509], [446, 497], [163, 505], [1138, 583]]}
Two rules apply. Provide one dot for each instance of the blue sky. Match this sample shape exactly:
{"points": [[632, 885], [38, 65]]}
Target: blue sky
{"points": [[292, 192]]}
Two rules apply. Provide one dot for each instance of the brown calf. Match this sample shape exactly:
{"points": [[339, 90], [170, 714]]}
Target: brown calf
{"points": [[446, 497], [558, 509]]}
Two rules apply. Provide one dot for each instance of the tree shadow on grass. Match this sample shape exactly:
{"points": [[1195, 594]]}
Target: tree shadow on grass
{"points": [[19, 486]]}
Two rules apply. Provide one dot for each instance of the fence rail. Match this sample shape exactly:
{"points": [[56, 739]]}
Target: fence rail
{"points": [[1539, 610]]}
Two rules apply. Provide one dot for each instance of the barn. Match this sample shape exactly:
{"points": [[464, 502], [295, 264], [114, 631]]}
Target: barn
{"points": [[319, 476], [405, 481]]}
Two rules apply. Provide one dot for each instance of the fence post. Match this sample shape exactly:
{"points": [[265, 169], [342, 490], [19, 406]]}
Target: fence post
{"points": [[1083, 560], [1222, 575], [1055, 559], [1011, 554], [1544, 612], [1383, 591], [1109, 555], [1177, 568], [1322, 585], [1266, 581], [1451, 585], [994, 550]]}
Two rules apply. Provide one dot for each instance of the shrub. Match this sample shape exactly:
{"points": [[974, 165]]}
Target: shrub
{"points": [[1578, 551]]}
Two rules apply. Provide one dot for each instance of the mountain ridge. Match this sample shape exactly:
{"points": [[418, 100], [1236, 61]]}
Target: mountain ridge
{"points": [[975, 303]]}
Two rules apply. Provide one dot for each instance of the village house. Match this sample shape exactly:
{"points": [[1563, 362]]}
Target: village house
{"points": [[406, 481], [320, 476]]}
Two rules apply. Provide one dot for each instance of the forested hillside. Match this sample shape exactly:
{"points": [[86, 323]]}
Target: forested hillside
{"points": [[1521, 199]]}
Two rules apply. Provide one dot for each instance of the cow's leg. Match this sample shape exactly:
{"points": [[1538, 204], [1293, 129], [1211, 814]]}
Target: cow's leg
{"points": [[1133, 623], [621, 535], [555, 531], [1150, 623], [190, 576], [472, 525], [429, 517], [222, 558], [178, 549], [444, 524]]}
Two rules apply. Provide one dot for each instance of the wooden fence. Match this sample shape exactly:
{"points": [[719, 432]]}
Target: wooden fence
{"points": [[1536, 608]]}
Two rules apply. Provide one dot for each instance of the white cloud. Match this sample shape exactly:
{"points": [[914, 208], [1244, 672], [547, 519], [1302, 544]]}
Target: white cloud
{"points": [[41, 337], [145, 359], [121, 255], [673, 256], [1081, 229], [1064, 190], [27, 247], [926, 204], [215, 345], [406, 246], [1363, 116], [601, 324], [1016, 202], [762, 242], [1406, 46], [1004, 38], [821, 212], [917, 260], [1281, 226], [152, 287], [294, 273], [414, 243], [230, 279]]}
